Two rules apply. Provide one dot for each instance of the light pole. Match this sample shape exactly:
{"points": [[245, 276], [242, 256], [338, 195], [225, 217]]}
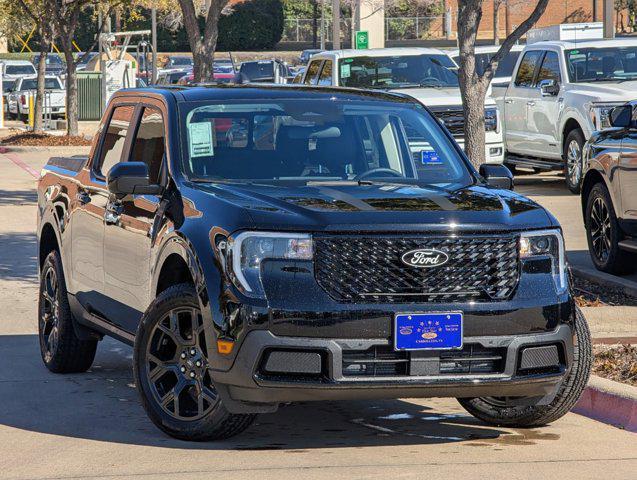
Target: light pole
{"points": [[336, 24], [609, 24], [322, 24], [153, 54]]}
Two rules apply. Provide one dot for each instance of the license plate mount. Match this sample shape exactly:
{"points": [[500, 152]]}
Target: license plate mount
{"points": [[428, 331]]}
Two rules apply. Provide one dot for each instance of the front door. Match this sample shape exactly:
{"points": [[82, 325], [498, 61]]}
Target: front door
{"points": [[516, 102], [128, 233], [87, 220], [628, 177]]}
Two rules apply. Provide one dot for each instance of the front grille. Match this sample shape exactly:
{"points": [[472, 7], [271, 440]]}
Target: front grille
{"points": [[370, 269], [383, 361], [452, 118]]}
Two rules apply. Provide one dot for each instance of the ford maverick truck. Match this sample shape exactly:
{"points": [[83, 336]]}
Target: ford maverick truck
{"points": [[259, 245]]}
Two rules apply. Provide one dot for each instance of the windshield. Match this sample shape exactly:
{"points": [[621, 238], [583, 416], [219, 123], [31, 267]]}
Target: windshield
{"points": [[256, 70], [398, 72], [317, 140], [505, 67], [49, 84], [181, 61], [602, 64], [52, 60], [20, 70]]}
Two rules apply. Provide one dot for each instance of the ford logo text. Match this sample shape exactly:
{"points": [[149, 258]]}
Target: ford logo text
{"points": [[425, 258]]}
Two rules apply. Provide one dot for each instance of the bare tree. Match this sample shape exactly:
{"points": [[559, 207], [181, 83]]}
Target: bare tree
{"points": [[473, 86], [202, 43]]}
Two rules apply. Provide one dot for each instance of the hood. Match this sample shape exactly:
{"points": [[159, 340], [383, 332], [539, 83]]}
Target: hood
{"points": [[383, 207], [432, 97], [607, 91]]}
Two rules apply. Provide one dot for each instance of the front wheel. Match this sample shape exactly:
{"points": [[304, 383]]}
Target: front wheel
{"points": [[171, 371], [514, 412], [573, 148]]}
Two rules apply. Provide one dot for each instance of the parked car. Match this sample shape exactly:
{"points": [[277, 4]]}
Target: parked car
{"points": [[222, 72], [307, 54], [562, 92], [502, 75], [178, 62], [55, 66], [55, 98], [609, 192], [83, 60], [426, 74], [262, 71], [7, 87], [265, 245], [14, 69], [172, 77]]}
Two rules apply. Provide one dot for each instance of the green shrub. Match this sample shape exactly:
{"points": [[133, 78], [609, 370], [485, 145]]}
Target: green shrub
{"points": [[254, 25]]}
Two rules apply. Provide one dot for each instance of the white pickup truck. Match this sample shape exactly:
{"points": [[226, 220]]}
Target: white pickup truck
{"points": [[54, 99], [561, 91], [426, 74]]}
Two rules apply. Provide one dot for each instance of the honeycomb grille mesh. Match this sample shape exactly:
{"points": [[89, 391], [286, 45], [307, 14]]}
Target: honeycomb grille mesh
{"points": [[370, 269]]}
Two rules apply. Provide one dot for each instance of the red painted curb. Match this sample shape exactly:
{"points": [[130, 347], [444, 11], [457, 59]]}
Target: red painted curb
{"points": [[18, 161], [608, 408]]}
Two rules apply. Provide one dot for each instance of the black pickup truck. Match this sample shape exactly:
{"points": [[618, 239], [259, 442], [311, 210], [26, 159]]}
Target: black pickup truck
{"points": [[265, 245]]}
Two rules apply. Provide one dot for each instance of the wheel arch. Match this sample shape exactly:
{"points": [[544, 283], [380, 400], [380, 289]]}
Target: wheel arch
{"points": [[592, 178], [48, 242], [570, 125]]}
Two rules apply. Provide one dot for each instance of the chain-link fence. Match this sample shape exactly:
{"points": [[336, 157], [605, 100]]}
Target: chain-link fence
{"points": [[396, 28]]}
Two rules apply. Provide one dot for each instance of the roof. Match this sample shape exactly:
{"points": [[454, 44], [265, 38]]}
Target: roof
{"points": [[183, 93], [567, 44], [16, 62], [487, 49], [379, 52]]}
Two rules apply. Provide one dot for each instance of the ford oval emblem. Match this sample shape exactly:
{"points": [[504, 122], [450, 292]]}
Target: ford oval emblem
{"points": [[425, 258]]}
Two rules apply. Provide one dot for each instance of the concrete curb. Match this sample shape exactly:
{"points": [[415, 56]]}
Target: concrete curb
{"points": [[20, 149], [609, 402], [628, 287]]}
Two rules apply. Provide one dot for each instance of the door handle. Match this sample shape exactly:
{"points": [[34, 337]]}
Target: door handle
{"points": [[112, 214], [83, 198], [530, 103]]}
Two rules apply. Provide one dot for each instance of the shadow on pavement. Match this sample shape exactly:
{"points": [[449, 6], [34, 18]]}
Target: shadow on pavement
{"points": [[103, 405], [18, 256], [18, 197]]}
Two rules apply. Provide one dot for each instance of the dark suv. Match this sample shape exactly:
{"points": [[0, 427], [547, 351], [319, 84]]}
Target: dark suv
{"points": [[267, 245], [609, 193]]}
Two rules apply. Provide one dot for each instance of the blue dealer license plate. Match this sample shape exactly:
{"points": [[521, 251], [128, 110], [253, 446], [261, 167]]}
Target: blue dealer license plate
{"points": [[428, 331]]}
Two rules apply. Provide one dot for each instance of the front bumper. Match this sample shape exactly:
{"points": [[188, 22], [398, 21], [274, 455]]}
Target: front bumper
{"points": [[248, 383]]}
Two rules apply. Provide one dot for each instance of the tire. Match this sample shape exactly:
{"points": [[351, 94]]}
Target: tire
{"points": [[528, 416], [168, 345], [603, 234], [573, 161], [62, 350]]}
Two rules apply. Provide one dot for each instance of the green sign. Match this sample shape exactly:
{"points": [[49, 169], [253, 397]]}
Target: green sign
{"points": [[362, 40]]}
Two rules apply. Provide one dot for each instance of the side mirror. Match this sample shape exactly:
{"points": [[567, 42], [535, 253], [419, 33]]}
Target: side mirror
{"points": [[126, 178], [621, 117], [549, 88], [497, 176]]}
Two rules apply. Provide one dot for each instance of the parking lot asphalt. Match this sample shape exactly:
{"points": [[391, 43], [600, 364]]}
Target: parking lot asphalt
{"points": [[93, 426]]}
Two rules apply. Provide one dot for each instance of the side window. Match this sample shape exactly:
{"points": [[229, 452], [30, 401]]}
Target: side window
{"points": [[149, 145], [326, 74], [114, 138], [550, 69], [524, 78], [312, 72]]}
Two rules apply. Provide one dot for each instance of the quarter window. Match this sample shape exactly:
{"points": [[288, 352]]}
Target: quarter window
{"points": [[312, 72], [115, 137], [149, 146], [326, 74], [524, 78], [550, 69]]}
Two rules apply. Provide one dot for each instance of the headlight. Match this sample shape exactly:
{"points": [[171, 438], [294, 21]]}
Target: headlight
{"points": [[490, 119], [600, 114], [548, 245], [248, 250]]}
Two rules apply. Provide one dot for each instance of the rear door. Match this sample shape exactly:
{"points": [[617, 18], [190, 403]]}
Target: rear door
{"points": [[128, 233], [87, 220], [516, 103]]}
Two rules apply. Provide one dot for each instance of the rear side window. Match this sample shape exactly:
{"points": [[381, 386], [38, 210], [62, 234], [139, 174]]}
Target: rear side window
{"points": [[550, 69], [149, 146], [114, 138], [524, 78], [312, 72], [326, 74]]}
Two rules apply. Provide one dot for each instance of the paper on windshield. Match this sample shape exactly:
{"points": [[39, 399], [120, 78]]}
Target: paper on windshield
{"points": [[200, 139], [346, 70]]}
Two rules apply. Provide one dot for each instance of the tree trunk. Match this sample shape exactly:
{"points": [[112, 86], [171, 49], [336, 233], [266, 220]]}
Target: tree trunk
{"points": [[473, 88], [72, 110], [314, 23], [39, 95]]}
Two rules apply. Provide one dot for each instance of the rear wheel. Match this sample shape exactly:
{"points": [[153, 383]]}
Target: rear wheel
{"points": [[172, 371], [604, 234], [62, 350], [516, 412], [574, 162]]}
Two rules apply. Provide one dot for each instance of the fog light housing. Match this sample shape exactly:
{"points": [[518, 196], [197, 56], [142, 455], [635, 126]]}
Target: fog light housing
{"points": [[495, 151]]}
